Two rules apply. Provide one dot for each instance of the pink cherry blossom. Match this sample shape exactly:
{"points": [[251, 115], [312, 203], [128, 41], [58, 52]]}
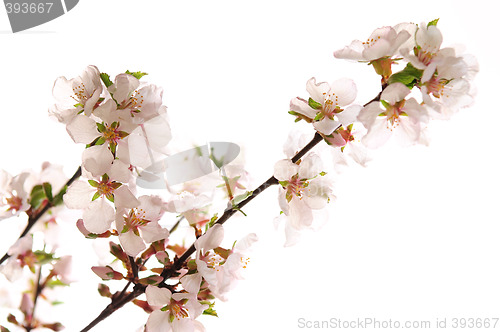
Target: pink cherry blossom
{"points": [[383, 42], [403, 117], [139, 225], [304, 188], [173, 312], [325, 107]]}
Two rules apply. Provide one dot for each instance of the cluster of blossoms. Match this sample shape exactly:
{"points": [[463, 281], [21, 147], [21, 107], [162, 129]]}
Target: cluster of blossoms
{"points": [[442, 77], [34, 268], [124, 127]]}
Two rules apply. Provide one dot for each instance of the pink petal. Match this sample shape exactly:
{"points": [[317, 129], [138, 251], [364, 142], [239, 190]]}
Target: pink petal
{"points": [[158, 297], [97, 217]]}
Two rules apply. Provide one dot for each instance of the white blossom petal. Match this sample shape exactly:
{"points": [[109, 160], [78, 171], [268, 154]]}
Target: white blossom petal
{"points": [[97, 217]]}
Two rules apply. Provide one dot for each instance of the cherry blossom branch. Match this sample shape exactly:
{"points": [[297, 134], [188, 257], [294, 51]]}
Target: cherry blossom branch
{"points": [[35, 217], [139, 289]]}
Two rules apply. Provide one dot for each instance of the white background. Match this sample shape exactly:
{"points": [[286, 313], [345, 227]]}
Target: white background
{"points": [[414, 236]]}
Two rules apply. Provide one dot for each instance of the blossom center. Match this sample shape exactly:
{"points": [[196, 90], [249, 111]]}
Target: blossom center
{"points": [[214, 262], [295, 187], [80, 95], [393, 113], [111, 134], [134, 103], [105, 187], [371, 41], [136, 218], [14, 203], [436, 86], [177, 310], [424, 56], [331, 106]]}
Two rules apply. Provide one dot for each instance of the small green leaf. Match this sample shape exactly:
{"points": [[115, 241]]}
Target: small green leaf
{"points": [[106, 80], [37, 196], [240, 198], [322, 173], [409, 76], [43, 257], [314, 104], [210, 312], [433, 22], [56, 283], [58, 199], [47, 188], [136, 74]]}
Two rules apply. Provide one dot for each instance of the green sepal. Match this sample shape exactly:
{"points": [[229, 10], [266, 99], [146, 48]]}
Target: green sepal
{"points": [[106, 80], [110, 197], [94, 183], [323, 173], [385, 104], [125, 228], [96, 196], [123, 134], [136, 74], [115, 185], [112, 147], [433, 22], [319, 116], [314, 104], [100, 141], [284, 184], [101, 127]]}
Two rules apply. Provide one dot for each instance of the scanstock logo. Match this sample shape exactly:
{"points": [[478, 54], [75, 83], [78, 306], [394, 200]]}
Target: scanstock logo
{"points": [[26, 14], [187, 165]]}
